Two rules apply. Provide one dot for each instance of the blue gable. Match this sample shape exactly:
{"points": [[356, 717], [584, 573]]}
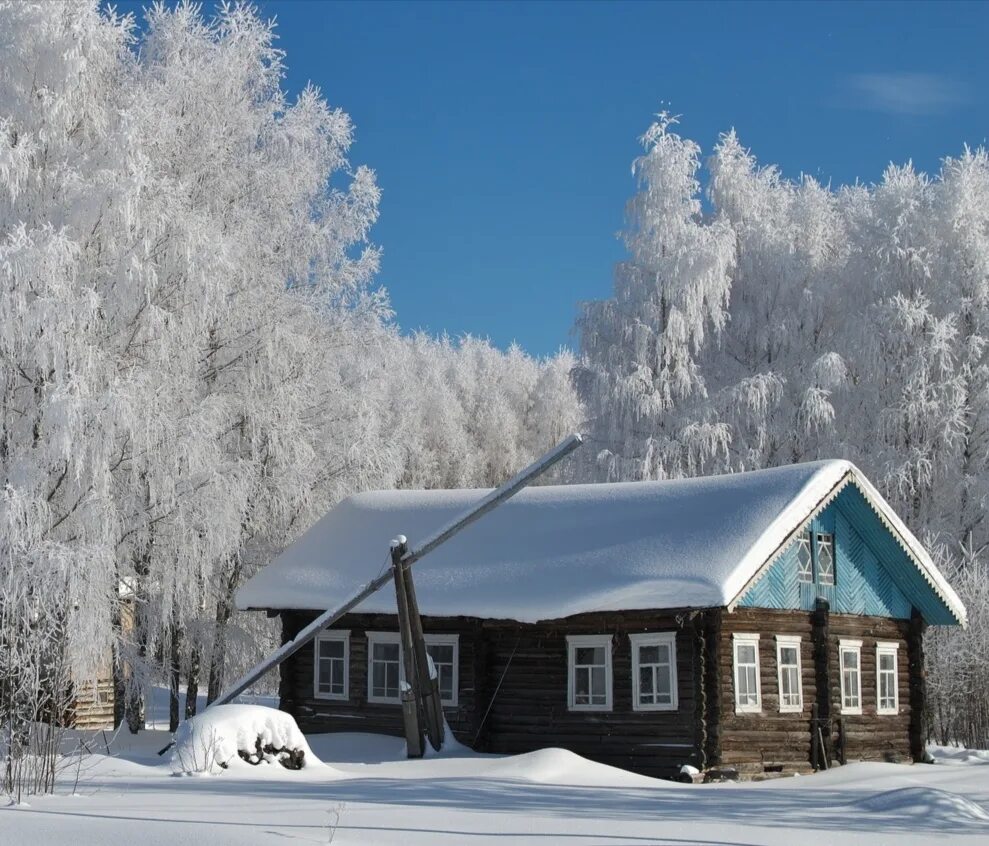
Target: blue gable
{"points": [[874, 575]]}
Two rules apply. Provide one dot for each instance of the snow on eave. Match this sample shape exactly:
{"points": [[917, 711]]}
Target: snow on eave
{"points": [[890, 519]]}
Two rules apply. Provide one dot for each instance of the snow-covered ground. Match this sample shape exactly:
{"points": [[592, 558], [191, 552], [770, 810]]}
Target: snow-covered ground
{"points": [[367, 793]]}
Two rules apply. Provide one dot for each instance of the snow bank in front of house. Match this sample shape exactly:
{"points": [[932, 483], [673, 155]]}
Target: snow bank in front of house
{"points": [[926, 803], [555, 551], [560, 766], [216, 740], [956, 755]]}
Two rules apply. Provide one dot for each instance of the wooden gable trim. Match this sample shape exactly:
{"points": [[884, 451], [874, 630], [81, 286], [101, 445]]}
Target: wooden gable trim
{"points": [[954, 606], [823, 503]]}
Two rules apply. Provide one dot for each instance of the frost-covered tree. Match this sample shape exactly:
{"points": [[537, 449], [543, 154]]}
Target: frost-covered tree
{"points": [[853, 325], [640, 373], [194, 364]]}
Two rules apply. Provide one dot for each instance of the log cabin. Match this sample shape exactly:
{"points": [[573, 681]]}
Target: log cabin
{"points": [[768, 621]]}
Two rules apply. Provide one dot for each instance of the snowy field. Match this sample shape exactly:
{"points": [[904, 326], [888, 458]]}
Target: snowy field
{"points": [[367, 793]]}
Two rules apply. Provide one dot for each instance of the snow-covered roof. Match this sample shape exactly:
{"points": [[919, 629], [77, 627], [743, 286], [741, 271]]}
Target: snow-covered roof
{"points": [[551, 552]]}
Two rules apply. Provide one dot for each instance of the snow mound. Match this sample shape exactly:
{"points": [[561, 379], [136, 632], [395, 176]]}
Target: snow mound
{"points": [[239, 736], [926, 803], [957, 755], [560, 766]]}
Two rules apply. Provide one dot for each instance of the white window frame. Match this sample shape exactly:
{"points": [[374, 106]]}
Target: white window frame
{"points": [[739, 639], [447, 640], [789, 642], [332, 635], [383, 637], [668, 639], [888, 648], [845, 646], [805, 541], [573, 643], [394, 637], [821, 539]]}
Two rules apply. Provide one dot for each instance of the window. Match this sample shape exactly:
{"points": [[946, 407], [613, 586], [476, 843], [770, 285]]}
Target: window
{"points": [[851, 676], [805, 564], [825, 558], [887, 680], [386, 671], [654, 671], [788, 666], [444, 652], [589, 673], [384, 667], [748, 697], [331, 665]]}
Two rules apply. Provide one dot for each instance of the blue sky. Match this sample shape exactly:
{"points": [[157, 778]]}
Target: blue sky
{"points": [[503, 133]]}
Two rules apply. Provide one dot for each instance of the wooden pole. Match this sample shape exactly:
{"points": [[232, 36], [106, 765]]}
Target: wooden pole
{"points": [[409, 688], [492, 500], [428, 686]]}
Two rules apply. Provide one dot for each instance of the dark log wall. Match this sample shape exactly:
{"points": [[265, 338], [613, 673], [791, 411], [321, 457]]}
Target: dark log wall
{"points": [[872, 736], [357, 714], [530, 710], [755, 741], [513, 689]]}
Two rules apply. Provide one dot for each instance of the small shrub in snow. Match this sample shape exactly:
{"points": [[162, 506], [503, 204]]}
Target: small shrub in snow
{"points": [[227, 735]]}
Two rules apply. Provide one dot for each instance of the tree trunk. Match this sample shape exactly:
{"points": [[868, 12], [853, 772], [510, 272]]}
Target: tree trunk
{"points": [[192, 682], [174, 675], [224, 608]]}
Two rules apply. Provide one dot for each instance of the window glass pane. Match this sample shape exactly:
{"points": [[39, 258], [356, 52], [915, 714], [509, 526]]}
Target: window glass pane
{"points": [[648, 654], [663, 692], [386, 652], [645, 684], [788, 655], [582, 683], [851, 660], [391, 689], [589, 655], [331, 649], [886, 661], [598, 683], [378, 678], [749, 685], [746, 653], [446, 683], [324, 673], [441, 653]]}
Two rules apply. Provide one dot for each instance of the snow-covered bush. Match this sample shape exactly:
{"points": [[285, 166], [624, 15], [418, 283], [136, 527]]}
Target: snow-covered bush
{"points": [[228, 735]]}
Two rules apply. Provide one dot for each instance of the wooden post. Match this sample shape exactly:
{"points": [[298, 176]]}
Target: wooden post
{"points": [[815, 747], [410, 703], [820, 636], [428, 687], [918, 687]]}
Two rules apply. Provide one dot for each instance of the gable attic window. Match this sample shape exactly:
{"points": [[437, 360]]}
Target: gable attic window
{"points": [[825, 558], [805, 564], [331, 665], [654, 671], [589, 672], [887, 681], [748, 694], [851, 676]]}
